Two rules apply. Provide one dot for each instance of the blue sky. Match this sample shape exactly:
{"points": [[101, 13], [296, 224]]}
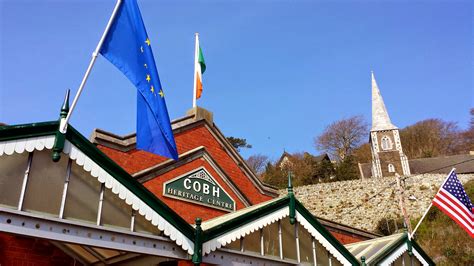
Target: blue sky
{"points": [[277, 73]]}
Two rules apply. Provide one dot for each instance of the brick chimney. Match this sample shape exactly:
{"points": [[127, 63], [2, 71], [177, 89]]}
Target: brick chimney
{"points": [[200, 113]]}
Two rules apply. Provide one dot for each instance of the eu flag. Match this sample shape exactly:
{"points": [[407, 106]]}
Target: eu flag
{"points": [[127, 47]]}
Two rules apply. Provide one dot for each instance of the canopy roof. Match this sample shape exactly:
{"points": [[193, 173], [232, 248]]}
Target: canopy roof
{"points": [[37, 139], [223, 230], [40, 136], [387, 249]]}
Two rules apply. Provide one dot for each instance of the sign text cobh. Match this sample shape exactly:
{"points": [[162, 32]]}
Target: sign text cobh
{"points": [[201, 188]]}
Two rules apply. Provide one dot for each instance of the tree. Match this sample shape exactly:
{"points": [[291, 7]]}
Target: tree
{"points": [[238, 143], [468, 135], [363, 153], [257, 163], [303, 167], [346, 169], [324, 171], [431, 138], [306, 170], [340, 138], [472, 118], [275, 176]]}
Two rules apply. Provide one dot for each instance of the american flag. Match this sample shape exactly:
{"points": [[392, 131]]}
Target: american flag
{"points": [[454, 202]]}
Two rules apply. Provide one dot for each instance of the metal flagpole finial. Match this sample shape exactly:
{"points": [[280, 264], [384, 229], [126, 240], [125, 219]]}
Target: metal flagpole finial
{"points": [[64, 113], [60, 137], [292, 203], [65, 106]]}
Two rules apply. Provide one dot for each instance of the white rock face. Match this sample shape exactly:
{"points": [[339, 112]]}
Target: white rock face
{"points": [[356, 204]]}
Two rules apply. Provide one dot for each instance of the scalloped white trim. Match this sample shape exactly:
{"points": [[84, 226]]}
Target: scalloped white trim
{"points": [[40, 143], [420, 258], [399, 252], [395, 255], [258, 224], [244, 230], [321, 239], [30, 144]]}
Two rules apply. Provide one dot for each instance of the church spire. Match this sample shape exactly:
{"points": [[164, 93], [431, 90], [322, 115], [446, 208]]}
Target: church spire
{"points": [[380, 118]]}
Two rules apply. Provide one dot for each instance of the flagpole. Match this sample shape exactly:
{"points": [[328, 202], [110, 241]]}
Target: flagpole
{"points": [[63, 125], [196, 54], [431, 204]]}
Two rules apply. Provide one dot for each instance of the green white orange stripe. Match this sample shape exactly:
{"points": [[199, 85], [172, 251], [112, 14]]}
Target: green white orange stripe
{"points": [[199, 68]]}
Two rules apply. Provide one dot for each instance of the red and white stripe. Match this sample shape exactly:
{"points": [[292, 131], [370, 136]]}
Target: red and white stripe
{"points": [[452, 207]]}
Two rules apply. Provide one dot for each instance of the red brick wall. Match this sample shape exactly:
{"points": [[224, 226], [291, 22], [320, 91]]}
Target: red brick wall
{"points": [[25, 251], [134, 161], [200, 136]]}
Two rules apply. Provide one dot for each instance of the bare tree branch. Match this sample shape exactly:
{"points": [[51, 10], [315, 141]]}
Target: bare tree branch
{"points": [[341, 137]]}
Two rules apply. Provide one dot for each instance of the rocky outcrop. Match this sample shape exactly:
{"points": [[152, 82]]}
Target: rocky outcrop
{"points": [[363, 203]]}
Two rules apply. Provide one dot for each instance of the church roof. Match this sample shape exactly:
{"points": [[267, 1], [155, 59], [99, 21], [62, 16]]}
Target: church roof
{"points": [[380, 118], [464, 164]]}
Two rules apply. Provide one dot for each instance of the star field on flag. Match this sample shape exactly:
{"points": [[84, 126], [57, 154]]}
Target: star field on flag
{"points": [[454, 202], [128, 47]]}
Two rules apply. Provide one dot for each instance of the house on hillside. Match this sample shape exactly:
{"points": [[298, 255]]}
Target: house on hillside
{"points": [[290, 161]]}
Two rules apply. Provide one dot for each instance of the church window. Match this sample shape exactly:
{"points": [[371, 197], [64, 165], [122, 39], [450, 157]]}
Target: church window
{"points": [[386, 143], [391, 168]]}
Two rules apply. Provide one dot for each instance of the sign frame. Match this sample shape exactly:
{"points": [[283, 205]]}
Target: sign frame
{"points": [[196, 170]]}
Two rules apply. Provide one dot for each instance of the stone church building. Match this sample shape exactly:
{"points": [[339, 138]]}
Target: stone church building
{"points": [[388, 158]]}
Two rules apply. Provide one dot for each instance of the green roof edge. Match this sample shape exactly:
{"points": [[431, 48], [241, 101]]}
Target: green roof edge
{"points": [[395, 245], [244, 218], [314, 222], [50, 128], [422, 252]]}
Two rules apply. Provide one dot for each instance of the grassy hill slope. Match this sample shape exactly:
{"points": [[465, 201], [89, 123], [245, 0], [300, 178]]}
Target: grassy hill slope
{"points": [[445, 241]]}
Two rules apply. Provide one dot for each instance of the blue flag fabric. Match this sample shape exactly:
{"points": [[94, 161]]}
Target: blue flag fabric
{"points": [[127, 47]]}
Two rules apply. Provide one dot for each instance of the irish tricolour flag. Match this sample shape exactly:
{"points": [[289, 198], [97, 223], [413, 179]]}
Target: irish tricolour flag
{"points": [[199, 68]]}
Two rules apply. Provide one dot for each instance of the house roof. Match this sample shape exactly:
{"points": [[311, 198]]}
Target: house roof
{"points": [[338, 227], [317, 158]]}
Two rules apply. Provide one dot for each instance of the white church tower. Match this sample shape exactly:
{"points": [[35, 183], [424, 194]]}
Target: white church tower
{"points": [[388, 158]]}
